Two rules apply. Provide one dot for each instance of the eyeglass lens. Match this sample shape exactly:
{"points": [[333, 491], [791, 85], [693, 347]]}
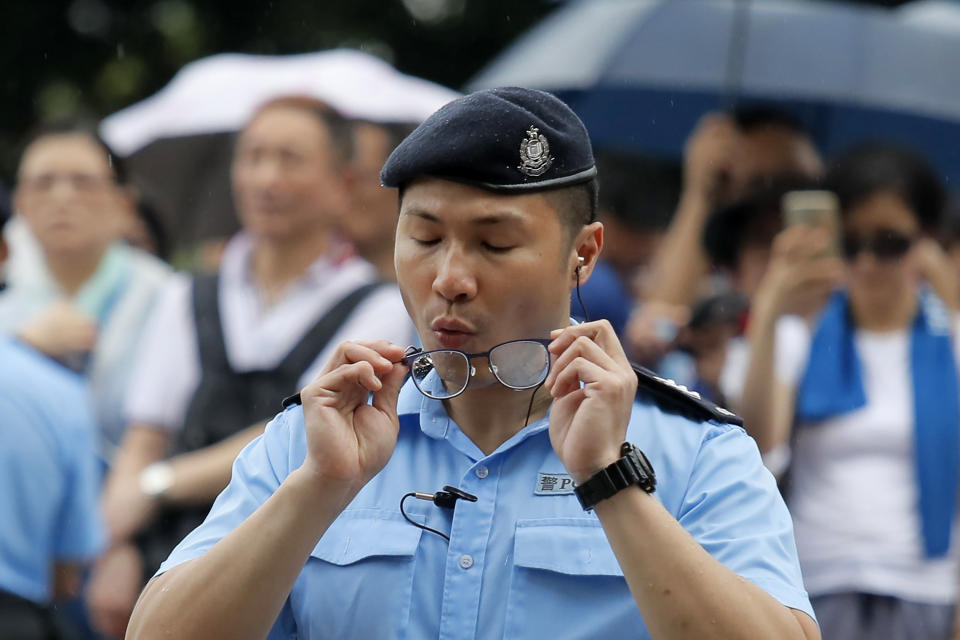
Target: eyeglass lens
{"points": [[520, 365], [442, 374]]}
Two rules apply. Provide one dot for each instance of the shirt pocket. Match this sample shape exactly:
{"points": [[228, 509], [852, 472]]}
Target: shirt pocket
{"points": [[567, 583], [358, 579]]}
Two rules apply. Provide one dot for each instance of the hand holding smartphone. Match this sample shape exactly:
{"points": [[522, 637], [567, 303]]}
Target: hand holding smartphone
{"points": [[814, 208]]}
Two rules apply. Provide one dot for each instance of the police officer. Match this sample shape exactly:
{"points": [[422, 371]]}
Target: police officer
{"points": [[573, 531], [49, 480]]}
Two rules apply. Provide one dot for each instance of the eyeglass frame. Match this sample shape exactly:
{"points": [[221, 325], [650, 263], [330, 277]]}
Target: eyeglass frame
{"points": [[854, 244], [415, 352]]}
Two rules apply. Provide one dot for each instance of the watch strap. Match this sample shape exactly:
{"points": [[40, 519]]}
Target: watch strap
{"points": [[633, 468]]}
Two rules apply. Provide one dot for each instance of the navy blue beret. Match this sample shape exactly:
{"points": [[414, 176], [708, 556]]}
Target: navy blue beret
{"points": [[508, 139]]}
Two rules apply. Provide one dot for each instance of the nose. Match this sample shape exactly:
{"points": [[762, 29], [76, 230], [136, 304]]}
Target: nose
{"points": [[455, 280], [264, 172]]}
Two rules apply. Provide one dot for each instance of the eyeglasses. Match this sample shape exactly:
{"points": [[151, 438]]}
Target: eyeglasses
{"points": [[884, 244], [445, 373]]}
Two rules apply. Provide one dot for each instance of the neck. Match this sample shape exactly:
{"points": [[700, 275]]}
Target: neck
{"points": [[276, 263], [883, 313], [72, 270], [491, 416]]}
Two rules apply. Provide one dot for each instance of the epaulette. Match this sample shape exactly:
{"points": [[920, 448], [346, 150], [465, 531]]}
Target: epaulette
{"points": [[676, 398]]}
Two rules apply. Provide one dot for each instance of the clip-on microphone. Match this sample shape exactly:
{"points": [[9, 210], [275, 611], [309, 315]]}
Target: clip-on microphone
{"points": [[446, 498]]}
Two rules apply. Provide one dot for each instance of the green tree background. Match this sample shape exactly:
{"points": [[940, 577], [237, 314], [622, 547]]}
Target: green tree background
{"points": [[63, 58]]}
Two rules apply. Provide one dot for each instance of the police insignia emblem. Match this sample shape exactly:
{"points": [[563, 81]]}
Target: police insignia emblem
{"points": [[535, 156]]}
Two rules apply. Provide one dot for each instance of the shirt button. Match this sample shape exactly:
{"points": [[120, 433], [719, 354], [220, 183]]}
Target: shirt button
{"points": [[466, 561], [482, 472]]}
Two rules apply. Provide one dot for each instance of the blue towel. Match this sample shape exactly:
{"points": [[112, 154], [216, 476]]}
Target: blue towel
{"points": [[833, 385]]}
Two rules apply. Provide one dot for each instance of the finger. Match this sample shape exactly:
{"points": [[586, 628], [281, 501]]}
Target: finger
{"points": [[600, 331], [580, 370], [582, 347], [359, 352], [361, 373], [341, 385], [385, 399], [354, 350], [389, 350]]}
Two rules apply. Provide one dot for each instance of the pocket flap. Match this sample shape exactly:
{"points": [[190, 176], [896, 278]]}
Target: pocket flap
{"points": [[366, 533], [575, 546]]}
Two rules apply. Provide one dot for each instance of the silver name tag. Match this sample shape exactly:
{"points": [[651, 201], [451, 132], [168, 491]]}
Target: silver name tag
{"points": [[553, 484]]}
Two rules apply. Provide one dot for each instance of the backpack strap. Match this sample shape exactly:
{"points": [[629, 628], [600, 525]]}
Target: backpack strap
{"points": [[206, 319], [314, 341]]}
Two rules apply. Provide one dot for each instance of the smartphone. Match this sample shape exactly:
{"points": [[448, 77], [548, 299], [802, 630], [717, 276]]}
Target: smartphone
{"points": [[814, 208]]}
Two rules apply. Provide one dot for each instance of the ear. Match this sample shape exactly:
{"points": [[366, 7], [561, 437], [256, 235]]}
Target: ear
{"points": [[586, 246]]}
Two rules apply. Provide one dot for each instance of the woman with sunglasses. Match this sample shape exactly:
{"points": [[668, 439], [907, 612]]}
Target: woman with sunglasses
{"points": [[864, 396]]}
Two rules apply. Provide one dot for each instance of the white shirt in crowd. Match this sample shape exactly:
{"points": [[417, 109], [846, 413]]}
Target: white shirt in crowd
{"points": [[256, 336], [853, 491], [119, 297]]}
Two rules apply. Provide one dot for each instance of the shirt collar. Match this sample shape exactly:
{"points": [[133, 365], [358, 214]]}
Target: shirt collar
{"points": [[435, 423], [236, 264]]}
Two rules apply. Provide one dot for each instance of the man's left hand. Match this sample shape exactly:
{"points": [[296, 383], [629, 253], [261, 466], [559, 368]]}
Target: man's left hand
{"points": [[593, 388]]}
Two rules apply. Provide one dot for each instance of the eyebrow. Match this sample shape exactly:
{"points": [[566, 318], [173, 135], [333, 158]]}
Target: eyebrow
{"points": [[486, 220]]}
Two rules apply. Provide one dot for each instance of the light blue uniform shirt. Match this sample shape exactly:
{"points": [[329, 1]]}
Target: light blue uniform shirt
{"points": [[49, 472], [525, 560]]}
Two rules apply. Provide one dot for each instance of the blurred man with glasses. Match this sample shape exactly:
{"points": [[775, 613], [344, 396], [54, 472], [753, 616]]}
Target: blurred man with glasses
{"points": [[587, 512], [83, 298]]}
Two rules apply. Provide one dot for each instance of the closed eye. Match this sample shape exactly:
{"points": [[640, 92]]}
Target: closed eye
{"points": [[426, 243], [496, 248]]}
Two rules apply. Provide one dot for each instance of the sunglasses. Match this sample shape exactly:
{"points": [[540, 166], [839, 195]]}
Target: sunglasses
{"points": [[445, 373], [884, 244]]}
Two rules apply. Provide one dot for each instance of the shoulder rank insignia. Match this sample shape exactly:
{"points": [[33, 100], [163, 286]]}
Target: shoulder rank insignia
{"points": [[535, 156], [290, 401], [676, 398]]}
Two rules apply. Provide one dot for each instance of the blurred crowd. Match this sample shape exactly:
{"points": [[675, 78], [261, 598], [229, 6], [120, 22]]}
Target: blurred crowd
{"points": [[816, 297]]}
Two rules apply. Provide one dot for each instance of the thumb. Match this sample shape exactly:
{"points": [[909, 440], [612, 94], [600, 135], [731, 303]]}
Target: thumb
{"points": [[385, 399]]}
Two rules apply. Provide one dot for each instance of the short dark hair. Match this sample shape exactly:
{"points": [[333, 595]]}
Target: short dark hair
{"points": [[339, 128], [576, 205], [81, 127], [753, 116], [642, 192], [873, 168]]}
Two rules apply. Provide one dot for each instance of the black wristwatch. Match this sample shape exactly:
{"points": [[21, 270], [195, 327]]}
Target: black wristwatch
{"points": [[632, 469]]}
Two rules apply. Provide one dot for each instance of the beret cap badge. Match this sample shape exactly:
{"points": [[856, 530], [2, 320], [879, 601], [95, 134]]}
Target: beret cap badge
{"points": [[535, 158]]}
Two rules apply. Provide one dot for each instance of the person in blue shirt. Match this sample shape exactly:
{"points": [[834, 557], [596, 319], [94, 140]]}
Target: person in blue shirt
{"points": [[49, 483], [534, 421]]}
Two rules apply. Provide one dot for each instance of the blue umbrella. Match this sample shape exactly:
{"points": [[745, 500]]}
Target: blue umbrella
{"points": [[640, 73]]}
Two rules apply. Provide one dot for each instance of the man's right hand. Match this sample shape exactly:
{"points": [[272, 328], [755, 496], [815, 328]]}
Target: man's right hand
{"points": [[61, 330], [348, 440]]}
